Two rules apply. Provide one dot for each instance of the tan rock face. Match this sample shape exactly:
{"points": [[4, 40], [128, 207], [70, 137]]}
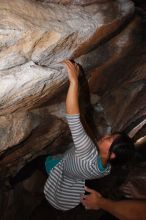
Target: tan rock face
{"points": [[106, 38], [34, 37], [47, 131], [14, 128], [74, 2], [41, 38]]}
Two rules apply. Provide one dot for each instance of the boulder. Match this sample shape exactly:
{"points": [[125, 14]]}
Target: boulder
{"points": [[35, 37], [41, 38], [74, 2]]}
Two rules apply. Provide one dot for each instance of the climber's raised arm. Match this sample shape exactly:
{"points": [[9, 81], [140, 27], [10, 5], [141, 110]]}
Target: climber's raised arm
{"points": [[72, 104]]}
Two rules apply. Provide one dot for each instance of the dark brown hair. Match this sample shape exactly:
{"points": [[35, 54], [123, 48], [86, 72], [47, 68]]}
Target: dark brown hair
{"points": [[124, 149]]}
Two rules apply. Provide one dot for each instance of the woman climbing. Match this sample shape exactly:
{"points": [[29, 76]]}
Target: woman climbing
{"points": [[86, 159]]}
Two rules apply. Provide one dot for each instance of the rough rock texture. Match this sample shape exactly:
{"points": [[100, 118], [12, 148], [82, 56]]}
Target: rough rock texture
{"points": [[36, 37], [9, 136], [107, 39], [104, 37], [74, 2]]}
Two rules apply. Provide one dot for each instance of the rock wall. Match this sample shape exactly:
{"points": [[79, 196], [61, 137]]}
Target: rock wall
{"points": [[107, 38], [73, 2], [35, 36]]}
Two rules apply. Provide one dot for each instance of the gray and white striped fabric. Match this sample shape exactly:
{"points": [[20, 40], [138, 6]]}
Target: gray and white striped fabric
{"points": [[65, 184]]}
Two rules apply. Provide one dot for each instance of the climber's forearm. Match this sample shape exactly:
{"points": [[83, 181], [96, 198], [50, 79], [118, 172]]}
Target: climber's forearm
{"points": [[72, 104]]}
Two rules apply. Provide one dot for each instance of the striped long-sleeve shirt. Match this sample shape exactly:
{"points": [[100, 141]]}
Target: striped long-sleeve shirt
{"points": [[65, 184]]}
